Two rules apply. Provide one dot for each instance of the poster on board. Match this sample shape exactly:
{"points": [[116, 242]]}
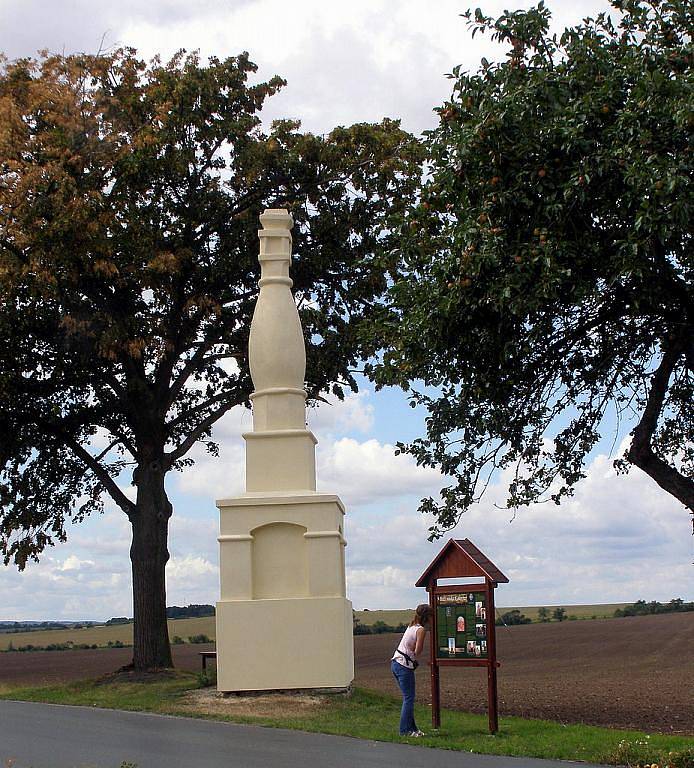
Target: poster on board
{"points": [[461, 625]]}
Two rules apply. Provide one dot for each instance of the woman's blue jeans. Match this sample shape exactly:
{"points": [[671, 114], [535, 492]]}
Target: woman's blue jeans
{"points": [[405, 679]]}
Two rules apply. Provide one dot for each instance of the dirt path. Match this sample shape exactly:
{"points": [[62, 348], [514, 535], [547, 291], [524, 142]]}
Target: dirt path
{"points": [[628, 673]]}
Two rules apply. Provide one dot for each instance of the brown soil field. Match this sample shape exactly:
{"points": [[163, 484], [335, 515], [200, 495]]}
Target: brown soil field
{"points": [[50, 667], [633, 673]]}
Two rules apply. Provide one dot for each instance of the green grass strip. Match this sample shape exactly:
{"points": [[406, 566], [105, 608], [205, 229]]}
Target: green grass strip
{"points": [[370, 715]]}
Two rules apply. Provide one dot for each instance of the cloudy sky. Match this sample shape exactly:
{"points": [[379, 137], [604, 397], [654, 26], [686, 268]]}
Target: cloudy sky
{"points": [[618, 539]]}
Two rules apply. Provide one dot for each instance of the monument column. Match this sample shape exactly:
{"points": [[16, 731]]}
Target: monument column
{"points": [[283, 620]]}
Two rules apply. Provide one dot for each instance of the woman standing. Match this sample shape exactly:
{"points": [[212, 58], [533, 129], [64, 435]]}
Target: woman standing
{"points": [[404, 663]]}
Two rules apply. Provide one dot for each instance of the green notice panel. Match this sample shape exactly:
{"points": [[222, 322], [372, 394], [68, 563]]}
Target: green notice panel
{"points": [[461, 624]]}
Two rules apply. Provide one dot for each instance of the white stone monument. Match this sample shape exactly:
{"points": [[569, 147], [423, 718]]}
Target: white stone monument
{"points": [[283, 620]]}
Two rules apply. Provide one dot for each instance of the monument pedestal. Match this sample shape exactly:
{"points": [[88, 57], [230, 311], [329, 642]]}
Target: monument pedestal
{"points": [[283, 620], [282, 644]]}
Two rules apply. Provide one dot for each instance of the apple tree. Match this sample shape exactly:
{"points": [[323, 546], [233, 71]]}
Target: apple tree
{"points": [[546, 285]]}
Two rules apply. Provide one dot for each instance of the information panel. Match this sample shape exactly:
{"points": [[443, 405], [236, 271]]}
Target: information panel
{"points": [[461, 625]]}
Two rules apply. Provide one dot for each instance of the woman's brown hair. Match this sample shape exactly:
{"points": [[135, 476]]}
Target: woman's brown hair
{"points": [[422, 614]]}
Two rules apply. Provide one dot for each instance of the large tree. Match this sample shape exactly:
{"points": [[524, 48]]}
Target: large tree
{"points": [[129, 203], [546, 286]]}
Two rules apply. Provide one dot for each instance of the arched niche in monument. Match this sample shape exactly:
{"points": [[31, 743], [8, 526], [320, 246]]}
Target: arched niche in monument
{"points": [[280, 562]]}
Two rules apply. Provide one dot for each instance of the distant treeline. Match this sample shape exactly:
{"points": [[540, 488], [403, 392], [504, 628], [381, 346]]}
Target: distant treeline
{"points": [[72, 646], [512, 618], [173, 612], [377, 628], [544, 616], [642, 608], [189, 612], [10, 627], [68, 646]]}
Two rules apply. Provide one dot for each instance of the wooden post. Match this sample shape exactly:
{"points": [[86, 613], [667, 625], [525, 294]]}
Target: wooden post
{"points": [[434, 667], [491, 656]]}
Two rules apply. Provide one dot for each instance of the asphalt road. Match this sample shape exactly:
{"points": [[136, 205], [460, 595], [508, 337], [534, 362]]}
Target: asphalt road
{"points": [[51, 736]]}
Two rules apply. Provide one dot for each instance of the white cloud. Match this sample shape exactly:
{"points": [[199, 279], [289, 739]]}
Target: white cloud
{"points": [[620, 538], [73, 563], [353, 414], [344, 63], [89, 577], [364, 472], [191, 579], [212, 477]]}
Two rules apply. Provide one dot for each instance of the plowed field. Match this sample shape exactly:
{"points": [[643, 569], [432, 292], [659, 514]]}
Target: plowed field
{"points": [[629, 673], [635, 672]]}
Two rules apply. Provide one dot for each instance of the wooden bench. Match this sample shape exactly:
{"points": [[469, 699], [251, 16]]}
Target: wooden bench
{"points": [[205, 655]]}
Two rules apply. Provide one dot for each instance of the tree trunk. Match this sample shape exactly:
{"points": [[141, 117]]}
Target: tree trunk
{"points": [[641, 452], [149, 554]]}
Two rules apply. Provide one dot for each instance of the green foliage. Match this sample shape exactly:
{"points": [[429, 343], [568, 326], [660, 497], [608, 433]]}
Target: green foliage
{"points": [[512, 617], [177, 640], [641, 753], [377, 628], [543, 615], [207, 678], [546, 269], [10, 627], [68, 646], [642, 608], [559, 614], [199, 639], [129, 203], [680, 758], [189, 611]]}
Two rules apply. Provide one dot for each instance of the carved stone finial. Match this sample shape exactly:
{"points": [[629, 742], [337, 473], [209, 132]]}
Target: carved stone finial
{"points": [[276, 350]]}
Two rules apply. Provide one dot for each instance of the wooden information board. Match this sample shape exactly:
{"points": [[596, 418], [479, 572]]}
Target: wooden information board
{"points": [[463, 630]]}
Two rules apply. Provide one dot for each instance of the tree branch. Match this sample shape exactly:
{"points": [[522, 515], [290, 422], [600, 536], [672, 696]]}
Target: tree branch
{"points": [[106, 480], [103, 453], [92, 464], [183, 376], [195, 360], [198, 408], [189, 442], [641, 452]]}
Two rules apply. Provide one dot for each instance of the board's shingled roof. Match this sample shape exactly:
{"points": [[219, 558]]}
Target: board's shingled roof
{"points": [[478, 558]]}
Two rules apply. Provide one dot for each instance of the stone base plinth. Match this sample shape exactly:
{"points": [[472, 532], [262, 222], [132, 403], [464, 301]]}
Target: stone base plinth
{"points": [[290, 643]]}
